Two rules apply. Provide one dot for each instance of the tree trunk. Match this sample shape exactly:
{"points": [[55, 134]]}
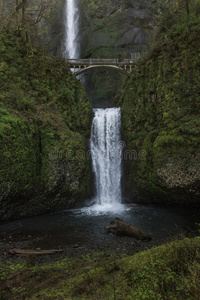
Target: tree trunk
{"points": [[118, 226], [1, 9], [187, 7], [23, 10], [33, 252]]}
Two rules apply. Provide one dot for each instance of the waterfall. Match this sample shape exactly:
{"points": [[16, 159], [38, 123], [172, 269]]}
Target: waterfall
{"points": [[106, 151], [71, 29], [105, 133]]}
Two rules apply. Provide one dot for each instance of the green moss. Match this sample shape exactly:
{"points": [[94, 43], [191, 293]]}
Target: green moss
{"points": [[166, 271], [169, 271], [44, 123], [160, 105]]}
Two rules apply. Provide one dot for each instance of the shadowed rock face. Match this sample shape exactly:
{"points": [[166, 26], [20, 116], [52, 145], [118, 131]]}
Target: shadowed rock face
{"points": [[113, 23], [112, 29], [116, 23]]}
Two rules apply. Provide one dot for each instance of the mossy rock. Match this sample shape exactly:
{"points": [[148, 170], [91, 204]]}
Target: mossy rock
{"points": [[160, 115], [45, 126]]}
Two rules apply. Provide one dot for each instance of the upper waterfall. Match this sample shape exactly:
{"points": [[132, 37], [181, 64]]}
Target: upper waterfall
{"points": [[71, 49]]}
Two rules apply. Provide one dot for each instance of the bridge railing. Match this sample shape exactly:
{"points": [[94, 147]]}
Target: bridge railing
{"points": [[100, 61]]}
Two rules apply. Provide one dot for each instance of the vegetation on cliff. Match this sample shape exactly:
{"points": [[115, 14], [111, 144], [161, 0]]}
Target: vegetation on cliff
{"points": [[43, 21], [45, 120], [160, 109], [170, 271]]}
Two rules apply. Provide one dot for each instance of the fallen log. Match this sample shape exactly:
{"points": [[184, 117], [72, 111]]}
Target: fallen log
{"points": [[119, 227], [33, 252]]}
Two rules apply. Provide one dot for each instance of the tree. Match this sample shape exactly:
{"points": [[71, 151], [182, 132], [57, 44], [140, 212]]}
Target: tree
{"points": [[1, 9]]}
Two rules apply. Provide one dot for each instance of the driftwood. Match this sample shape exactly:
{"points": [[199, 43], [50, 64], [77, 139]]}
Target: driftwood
{"points": [[119, 227], [33, 252]]}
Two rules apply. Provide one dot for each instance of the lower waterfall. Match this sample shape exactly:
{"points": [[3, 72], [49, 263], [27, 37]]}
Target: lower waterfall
{"points": [[106, 152]]}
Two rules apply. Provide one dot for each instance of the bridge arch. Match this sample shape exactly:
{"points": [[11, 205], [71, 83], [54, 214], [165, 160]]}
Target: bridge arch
{"points": [[112, 67], [124, 66]]}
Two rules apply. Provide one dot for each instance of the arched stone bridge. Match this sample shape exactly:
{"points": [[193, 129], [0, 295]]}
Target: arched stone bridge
{"points": [[124, 66]]}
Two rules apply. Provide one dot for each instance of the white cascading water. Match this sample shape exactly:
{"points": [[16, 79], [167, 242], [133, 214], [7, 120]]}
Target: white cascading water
{"points": [[106, 156], [105, 133], [71, 29]]}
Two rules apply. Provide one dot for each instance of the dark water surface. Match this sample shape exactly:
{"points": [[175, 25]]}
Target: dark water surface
{"points": [[87, 226]]}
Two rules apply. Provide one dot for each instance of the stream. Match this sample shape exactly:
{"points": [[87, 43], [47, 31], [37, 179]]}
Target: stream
{"points": [[84, 228]]}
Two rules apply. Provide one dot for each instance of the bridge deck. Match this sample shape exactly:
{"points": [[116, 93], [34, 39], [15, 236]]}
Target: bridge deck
{"points": [[97, 61]]}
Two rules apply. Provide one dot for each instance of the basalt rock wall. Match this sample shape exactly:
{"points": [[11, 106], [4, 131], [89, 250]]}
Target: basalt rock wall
{"points": [[45, 121], [161, 120], [113, 29]]}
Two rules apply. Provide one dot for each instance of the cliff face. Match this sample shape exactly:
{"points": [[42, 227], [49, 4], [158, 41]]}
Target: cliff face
{"points": [[107, 29], [45, 120], [124, 26], [161, 120], [46, 116], [112, 29], [44, 19], [114, 23]]}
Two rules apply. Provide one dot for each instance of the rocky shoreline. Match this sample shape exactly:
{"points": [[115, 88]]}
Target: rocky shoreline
{"points": [[108, 244]]}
